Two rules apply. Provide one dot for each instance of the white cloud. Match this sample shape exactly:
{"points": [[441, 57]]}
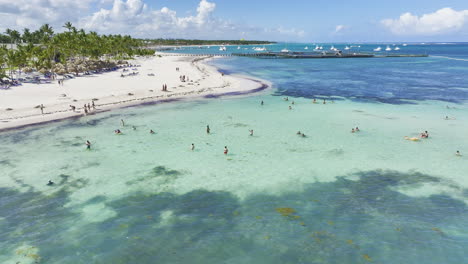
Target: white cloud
{"points": [[31, 13], [445, 20], [134, 17], [339, 28]]}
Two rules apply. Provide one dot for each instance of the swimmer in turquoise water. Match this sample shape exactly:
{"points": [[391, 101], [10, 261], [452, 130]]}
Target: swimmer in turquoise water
{"points": [[88, 144]]}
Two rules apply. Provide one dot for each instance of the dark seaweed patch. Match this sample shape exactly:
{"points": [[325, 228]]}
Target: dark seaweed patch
{"points": [[345, 221], [161, 173]]}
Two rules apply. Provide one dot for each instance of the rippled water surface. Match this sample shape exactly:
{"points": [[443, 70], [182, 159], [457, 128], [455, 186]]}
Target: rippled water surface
{"points": [[330, 197]]}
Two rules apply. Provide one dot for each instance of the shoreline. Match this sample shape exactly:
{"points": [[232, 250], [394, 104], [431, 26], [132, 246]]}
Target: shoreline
{"points": [[206, 83]]}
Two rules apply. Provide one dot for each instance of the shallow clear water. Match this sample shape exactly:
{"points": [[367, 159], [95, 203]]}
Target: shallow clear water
{"points": [[331, 197]]}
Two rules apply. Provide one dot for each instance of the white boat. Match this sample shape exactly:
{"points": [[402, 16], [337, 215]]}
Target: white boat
{"points": [[404, 45], [378, 49], [388, 48], [238, 47], [222, 48], [347, 48], [333, 48], [285, 50], [317, 47], [260, 49], [396, 48], [306, 48]]}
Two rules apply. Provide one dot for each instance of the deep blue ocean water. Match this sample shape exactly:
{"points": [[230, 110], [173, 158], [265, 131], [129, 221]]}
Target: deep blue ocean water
{"points": [[388, 80]]}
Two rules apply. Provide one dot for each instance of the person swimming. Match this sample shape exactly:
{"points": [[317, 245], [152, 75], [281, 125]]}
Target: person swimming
{"points": [[88, 144], [251, 132], [324, 102], [314, 101], [192, 147], [50, 183], [411, 138], [298, 133], [292, 102], [208, 129], [226, 150], [357, 129], [151, 131], [290, 108], [117, 132], [458, 153], [424, 134], [261, 103], [303, 135], [133, 127], [352, 130]]}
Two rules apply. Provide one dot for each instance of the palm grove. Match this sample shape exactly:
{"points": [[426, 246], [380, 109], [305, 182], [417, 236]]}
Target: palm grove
{"points": [[71, 51]]}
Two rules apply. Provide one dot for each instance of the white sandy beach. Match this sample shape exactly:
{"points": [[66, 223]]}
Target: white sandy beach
{"points": [[113, 91]]}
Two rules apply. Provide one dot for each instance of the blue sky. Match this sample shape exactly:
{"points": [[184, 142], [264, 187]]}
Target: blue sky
{"points": [[294, 20]]}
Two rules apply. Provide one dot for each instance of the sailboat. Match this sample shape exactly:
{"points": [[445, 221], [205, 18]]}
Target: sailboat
{"points": [[333, 48], [378, 49], [260, 49]]}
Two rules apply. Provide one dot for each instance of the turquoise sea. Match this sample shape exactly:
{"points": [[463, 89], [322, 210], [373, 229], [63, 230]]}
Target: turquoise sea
{"points": [[330, 197]]}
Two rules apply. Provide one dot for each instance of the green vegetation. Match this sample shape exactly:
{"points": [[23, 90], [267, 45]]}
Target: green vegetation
{"points": [[184, 42], [46, 51]]}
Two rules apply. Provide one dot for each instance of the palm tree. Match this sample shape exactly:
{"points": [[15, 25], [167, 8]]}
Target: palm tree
{"points": [[27, 36], [69, 26]]}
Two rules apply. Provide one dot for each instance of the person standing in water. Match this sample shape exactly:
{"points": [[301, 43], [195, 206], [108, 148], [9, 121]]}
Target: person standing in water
{"points": [[192, 148], [122, 122], [458, 153], [226, 150], [207, 129], [261, 103], [88, 144], [251, 132]]}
